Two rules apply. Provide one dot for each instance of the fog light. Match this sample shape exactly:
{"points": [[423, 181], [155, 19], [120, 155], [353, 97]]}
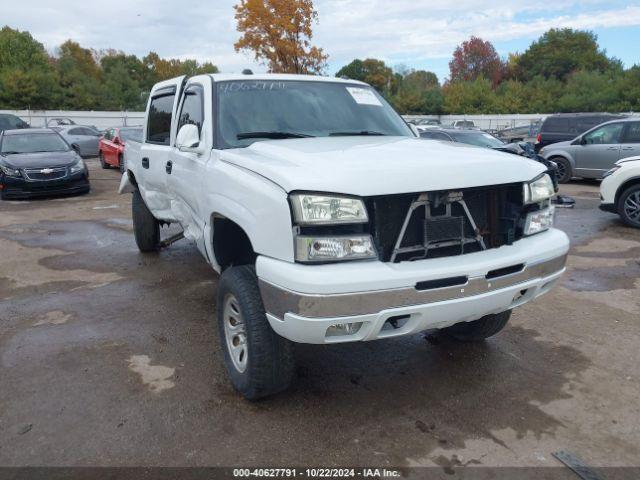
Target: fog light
{"points": [[343, 329], [539, 221]]}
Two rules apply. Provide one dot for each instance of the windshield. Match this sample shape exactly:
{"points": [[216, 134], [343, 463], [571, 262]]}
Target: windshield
{"points": [[134, 134], [32, 143], [479, 139], [250, 111]]}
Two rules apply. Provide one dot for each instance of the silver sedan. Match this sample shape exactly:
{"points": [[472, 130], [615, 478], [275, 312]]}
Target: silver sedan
{"points": [[83, 140]]}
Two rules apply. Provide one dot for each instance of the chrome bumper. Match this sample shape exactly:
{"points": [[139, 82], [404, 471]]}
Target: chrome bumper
{"points": [[279, 301]]}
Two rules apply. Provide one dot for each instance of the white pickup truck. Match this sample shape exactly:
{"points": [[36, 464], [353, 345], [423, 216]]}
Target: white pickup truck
{"points": [[329, 221]]}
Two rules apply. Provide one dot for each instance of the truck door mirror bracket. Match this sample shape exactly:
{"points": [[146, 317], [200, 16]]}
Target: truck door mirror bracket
{"points": [[188, 139]]}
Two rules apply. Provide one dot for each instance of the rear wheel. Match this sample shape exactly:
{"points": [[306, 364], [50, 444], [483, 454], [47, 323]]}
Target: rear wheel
{"points": [[103, 164], [565, 172], [258, 360], [146, 227], [478, 330], [629, 206]]}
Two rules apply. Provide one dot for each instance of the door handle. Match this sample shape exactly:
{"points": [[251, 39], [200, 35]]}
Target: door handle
{"points": [[613, 148], [168, 167], [627, 148], [145, 162]]}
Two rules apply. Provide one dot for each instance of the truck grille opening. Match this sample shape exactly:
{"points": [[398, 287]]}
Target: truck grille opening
{"points": [[445, 223]]}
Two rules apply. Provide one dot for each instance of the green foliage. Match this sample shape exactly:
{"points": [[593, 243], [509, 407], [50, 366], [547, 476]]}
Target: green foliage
{"points": [[560, 52], [374, 72], [476, 96], [78, 78]]}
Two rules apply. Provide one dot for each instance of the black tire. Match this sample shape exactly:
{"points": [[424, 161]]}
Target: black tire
{"points": [[629, 214], [478, 330], [103, 164], [121, 163], [269, 363], [146, 227], [565, 171]]}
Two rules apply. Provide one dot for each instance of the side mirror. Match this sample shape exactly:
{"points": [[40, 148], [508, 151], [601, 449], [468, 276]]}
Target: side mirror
{"points": [[188, 139], [116, 141]]}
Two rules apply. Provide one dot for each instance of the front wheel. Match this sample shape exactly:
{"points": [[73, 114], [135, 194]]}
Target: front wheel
{"points": [[629, 206], [146, 227], [121, 163], [478, 330], [258, 360], [565, 172]]}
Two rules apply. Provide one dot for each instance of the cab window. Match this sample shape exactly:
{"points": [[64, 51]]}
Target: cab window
{"points": [[159, 119]]}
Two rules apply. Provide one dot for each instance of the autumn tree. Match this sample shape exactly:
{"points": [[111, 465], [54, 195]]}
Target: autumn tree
{"points": [[474, 59], [279, 33]]}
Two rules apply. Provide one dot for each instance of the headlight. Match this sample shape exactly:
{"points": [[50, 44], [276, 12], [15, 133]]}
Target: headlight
{"points": [[539, 221], [539, 189], [311, 209], [10, 172], [77, 167], [331, 249], [611, 172]]}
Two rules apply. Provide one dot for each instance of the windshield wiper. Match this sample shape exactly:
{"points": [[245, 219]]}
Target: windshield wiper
{"points": [[273, 135], [356, 133]]}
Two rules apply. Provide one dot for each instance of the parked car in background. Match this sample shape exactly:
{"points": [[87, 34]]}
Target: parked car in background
{"points": [[463, 124], [426, 122], [566, 126], [11, 122], [477, 138], [65, 121], [82, 139], [620, 191], [111, 145], [38, 162], [596, 151], [522, 133]]}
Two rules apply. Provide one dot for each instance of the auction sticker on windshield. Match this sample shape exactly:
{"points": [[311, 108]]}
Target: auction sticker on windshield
{"points": [[364, 96]]}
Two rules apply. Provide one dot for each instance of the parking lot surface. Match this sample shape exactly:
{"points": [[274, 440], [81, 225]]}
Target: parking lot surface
{"points": [[110, 357]]}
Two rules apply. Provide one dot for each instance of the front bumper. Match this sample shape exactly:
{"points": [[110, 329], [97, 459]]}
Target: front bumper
{"points": [[19, 188], [302, 302]]}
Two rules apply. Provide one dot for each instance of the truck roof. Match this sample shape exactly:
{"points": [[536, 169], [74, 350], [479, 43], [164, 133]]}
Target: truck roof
{"points": [[220, 77]]}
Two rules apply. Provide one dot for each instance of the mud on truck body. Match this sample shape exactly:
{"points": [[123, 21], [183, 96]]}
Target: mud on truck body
{"points": [[329, 221]]}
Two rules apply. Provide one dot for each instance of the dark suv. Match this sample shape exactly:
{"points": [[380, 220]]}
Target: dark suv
{"points": [[567, 126]]}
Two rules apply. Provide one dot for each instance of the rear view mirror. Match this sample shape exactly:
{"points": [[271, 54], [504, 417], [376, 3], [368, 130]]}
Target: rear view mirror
{"points": [[188, 139]]}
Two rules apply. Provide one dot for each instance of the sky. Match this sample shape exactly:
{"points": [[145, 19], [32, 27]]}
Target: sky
{"points": [[420, 34]]}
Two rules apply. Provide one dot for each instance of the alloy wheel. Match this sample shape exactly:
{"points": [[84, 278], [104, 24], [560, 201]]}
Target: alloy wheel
{"points": [[235, 333]]}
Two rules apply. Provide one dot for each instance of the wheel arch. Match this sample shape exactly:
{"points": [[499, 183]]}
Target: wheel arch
{"points": [[230, 242], [627, 183]]}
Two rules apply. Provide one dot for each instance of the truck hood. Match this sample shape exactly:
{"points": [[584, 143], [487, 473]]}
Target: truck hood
{"points": [[368, 166]]}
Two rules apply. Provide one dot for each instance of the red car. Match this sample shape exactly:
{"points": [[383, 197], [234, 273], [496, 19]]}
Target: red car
{"points": [[111, 145]]}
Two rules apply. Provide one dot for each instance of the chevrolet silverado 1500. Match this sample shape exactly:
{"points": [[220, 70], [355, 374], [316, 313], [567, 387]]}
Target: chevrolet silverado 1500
{"points": [[329, 221]]}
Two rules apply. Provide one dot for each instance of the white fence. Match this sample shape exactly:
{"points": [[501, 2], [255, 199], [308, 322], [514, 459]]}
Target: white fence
{"points": [[38, 118], [101, 120]]}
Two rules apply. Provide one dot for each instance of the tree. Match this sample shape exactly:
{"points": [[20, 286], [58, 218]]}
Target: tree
{"points": [[279, 33], [374, 72], [471, 97], [559, 52], [419, 93], [27, 78], [80, 77], [589, 92], [476, 58]]}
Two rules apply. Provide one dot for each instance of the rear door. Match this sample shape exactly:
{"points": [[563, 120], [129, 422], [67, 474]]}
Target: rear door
{"points": [[599, 150], [155, 150], [185, 174], [630, 140]]}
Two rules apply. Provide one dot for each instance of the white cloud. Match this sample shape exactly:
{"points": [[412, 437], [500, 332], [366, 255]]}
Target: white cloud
{"points": [[406, 31]]}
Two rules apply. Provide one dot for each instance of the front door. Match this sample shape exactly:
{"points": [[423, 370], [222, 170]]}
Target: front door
{"points": [[599, 150]]}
